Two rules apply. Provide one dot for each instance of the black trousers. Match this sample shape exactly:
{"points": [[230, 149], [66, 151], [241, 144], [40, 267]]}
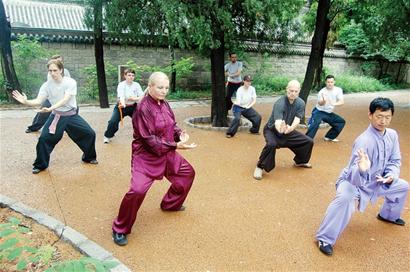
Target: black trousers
{"points": [[112, 127], [41, 117], [300, 144], [232, 88], [77, 129], [250, 114]]}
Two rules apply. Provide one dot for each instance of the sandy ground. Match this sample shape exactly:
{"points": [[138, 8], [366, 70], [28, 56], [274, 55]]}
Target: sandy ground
{"points": [[232, 222]]}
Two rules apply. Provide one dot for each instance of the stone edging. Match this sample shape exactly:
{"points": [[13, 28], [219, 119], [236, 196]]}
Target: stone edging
{"points": [[78, 240], [197, 122]]}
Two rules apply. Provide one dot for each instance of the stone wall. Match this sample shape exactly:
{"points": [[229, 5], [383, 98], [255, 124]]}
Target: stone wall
{"points": [[293, 63]]}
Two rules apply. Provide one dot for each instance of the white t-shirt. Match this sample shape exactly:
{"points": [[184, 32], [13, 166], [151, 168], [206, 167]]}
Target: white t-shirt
{"points": [[334, 95], [244, 97], [54, 91], [125, 91]]}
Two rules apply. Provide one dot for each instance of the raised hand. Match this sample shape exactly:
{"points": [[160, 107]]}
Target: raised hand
{"points": [[364, 162], [20, 97], [183, 145], [184, 136], [282, 127], [381, 179]]}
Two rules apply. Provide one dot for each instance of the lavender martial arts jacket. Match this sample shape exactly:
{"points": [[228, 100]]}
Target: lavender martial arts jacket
{"points": [[155, 137], [385, 158]]}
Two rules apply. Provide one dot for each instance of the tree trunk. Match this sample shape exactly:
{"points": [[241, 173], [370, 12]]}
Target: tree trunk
{"points": [[99, 55], [315, 64], [173, 71], [7, 64], [218, 110], [398, 73]]}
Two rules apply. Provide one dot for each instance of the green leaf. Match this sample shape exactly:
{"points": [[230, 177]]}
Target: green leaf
{"points": [[14, 253], [21, 265], [6, 232], [30, 249], [8, 243], [24, 229], [14, 220]]}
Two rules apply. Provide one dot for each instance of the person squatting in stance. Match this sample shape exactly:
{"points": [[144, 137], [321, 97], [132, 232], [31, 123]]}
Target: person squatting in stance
{"points": [[327, 99], [154, 156], [373, 171], [129, 93], [280, 132], [245, 99], [61, 92], [233, 71], [41, 117]]}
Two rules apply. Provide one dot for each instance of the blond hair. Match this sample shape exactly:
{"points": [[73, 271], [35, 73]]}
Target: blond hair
{"points": [[154, 77]]}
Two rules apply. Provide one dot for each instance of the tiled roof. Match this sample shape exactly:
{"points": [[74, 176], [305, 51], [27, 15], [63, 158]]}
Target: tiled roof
{"points": [[33, 14]]}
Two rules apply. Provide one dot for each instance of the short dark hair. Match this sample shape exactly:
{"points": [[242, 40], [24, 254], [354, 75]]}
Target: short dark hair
{"points": [[129, 70], [381, 103], [231, 53], [329, 76]]}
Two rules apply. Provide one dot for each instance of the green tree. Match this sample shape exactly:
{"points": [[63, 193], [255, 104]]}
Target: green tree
{"points": [[211, 27], [379, 30]]}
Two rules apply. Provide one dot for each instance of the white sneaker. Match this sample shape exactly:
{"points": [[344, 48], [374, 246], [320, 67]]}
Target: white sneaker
{"points": [[330, 140], [257, 174], [107, 140]]}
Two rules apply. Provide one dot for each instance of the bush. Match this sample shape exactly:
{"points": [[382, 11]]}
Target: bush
{"points": [[90, 90], [267, 85], [25, 52], [354, 84]]}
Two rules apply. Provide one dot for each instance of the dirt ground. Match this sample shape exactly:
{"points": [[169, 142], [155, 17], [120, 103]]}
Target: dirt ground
{"points": [[232, 222]]}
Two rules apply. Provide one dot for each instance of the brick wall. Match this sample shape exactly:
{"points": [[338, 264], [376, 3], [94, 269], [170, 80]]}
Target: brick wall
{"points": [[294, 63]]}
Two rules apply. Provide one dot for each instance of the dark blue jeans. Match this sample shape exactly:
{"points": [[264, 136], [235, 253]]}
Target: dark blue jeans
{"points": [[336, 122], [249, 114]]}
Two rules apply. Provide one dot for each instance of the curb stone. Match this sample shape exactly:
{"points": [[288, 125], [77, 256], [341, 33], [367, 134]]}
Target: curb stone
{"points": [[76, 239]]}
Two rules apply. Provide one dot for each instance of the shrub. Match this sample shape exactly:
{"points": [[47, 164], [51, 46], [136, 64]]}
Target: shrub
{"points": [[25, 52], [354, 84], [18, 253], [90, 89], [267, 85]]}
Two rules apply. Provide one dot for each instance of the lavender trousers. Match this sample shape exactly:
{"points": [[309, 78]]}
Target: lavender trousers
{"points": [[341, 209], [181, 183]]}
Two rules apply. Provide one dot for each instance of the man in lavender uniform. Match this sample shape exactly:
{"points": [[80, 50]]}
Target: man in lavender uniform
{"points": [[154, 156], [373, 171]]}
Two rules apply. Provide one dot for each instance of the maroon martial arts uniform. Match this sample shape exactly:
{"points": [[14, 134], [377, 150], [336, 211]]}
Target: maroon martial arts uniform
{"points": [[154, 157]]}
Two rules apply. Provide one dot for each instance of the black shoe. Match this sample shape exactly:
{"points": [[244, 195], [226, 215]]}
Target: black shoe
{"points": [[28, 130], [325, 248], [91, 162], [119, 238], [179, 210], [399, 221], [36, 170], [228, 135]]}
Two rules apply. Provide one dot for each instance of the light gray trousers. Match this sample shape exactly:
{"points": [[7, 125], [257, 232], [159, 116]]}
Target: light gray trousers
{"points": [[340, 210]]}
